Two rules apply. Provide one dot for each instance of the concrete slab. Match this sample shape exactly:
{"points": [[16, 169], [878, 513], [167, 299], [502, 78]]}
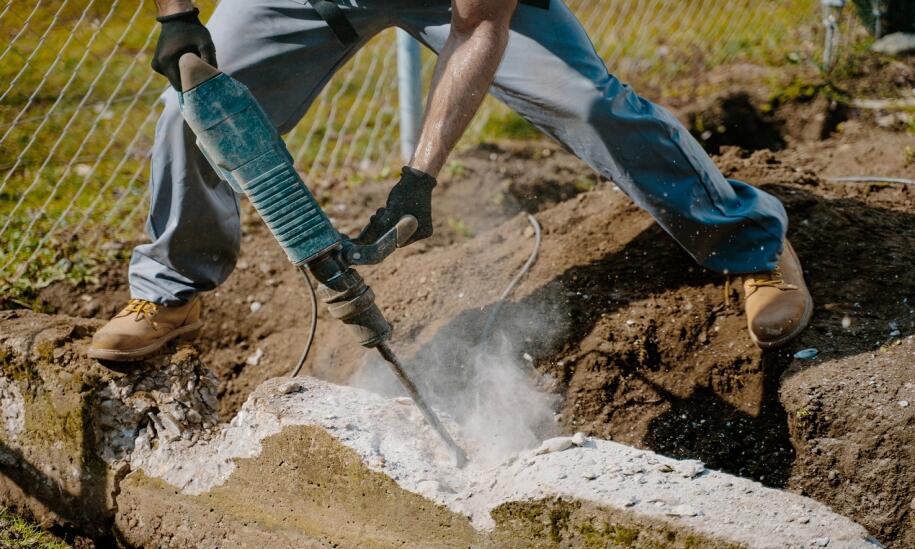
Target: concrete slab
{"points": [[326, 464]]}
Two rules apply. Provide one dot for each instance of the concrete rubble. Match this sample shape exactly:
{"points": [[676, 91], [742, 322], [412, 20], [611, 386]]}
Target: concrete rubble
{"points": [[308, 463], [69, 425]]}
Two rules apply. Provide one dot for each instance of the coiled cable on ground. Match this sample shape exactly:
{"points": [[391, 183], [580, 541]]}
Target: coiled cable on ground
{"points": [[535, 251]]}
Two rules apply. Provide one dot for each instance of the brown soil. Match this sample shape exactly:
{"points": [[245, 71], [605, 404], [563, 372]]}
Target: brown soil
{"points": [[639, 340]]}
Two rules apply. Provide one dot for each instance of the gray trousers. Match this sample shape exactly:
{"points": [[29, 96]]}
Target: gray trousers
{"points": [[551, 75]]}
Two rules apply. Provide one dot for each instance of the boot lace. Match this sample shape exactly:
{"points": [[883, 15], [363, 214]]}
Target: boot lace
{"points": [[141, 308], [773, 279]]}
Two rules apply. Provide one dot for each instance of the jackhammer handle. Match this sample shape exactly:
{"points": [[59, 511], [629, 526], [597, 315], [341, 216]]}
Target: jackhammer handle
{"points": [[376, 252], [194, 71]]}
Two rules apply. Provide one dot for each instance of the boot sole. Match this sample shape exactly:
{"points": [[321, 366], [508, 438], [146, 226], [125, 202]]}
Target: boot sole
{"points": [[184, 333], [802, 325]]}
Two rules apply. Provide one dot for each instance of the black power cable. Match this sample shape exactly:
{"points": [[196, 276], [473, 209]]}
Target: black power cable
{"points": [[312, 329]]}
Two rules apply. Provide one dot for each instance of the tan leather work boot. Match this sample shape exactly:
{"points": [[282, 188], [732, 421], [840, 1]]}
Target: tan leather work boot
{"points": [[778, 304], [142, 328]]}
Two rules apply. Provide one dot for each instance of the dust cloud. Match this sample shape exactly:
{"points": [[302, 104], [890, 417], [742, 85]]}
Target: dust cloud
{"points": [[492, 392]]}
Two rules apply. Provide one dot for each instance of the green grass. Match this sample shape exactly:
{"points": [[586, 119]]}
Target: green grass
{"points": [[18, 533], [78, 121]]}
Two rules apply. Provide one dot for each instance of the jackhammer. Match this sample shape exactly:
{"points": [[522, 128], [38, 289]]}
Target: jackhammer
{"points": [[239, 141]]}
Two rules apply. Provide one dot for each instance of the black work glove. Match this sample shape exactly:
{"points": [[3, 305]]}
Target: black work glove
{"points": [[181, 33], [412, 195]]}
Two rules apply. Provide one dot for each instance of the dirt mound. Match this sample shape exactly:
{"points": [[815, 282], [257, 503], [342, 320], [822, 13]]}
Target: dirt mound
{"points": [[853, 421]]}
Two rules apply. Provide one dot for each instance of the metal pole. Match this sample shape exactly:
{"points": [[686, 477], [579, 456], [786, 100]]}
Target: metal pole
{"points": [[878, 9], [409, 86], [832, 10]]}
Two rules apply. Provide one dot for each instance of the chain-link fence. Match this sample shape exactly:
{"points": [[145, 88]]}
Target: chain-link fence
{"points": [[78, 105]]}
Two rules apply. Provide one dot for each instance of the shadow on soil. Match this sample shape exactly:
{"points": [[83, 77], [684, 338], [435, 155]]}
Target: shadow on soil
{"points": [[691, 385]]}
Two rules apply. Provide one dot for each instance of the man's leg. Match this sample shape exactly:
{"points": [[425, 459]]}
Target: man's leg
{"points": [[285, 54], [552, 76]]}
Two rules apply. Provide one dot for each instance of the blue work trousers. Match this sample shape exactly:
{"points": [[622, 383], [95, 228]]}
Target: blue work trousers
{"points": [[551, 75]]}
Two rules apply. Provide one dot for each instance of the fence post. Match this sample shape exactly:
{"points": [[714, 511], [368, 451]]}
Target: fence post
{"points": [[832, 10], [409, 89]]}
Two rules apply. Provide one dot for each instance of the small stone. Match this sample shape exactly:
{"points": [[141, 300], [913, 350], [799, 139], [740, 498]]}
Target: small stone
{"points": [[556, 444], [903, 403], [254, 359], [819, 542], [171, 425], [896, 43], [590, 475], [806, 354], [528, 357], [630, 501], [256, 306], [912, 504], [665, 468], [579, 439], [846, 322]]}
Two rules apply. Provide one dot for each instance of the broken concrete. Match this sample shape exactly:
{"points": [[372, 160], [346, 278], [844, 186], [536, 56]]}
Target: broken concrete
{"points": [[311, 462], [69, 424], [308, 463]]}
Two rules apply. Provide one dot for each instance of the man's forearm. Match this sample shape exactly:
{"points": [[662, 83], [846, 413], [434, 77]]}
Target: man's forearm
{"points": [[463, 75], [169, 7]]}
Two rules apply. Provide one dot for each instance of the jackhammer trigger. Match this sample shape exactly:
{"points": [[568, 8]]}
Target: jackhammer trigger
{"points": [[376, 252]]}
